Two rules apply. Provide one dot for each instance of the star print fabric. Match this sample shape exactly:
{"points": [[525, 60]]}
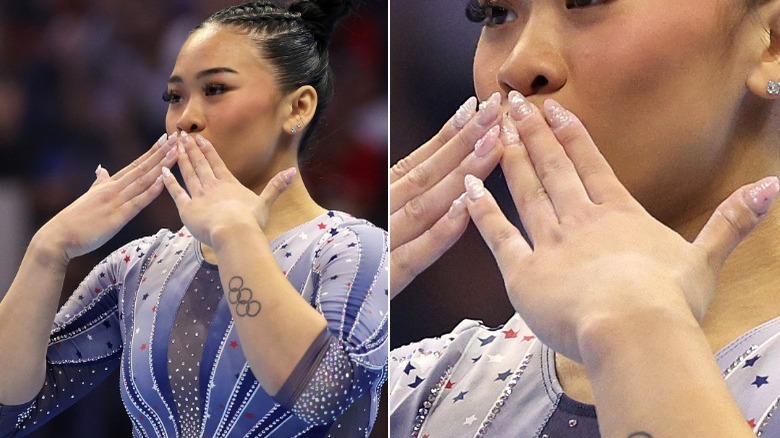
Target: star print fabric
{"points": [[156, 309], [478, 381]]}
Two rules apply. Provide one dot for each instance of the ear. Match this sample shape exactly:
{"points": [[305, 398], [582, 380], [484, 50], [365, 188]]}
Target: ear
{"points": [[764, 79], [302, 104]]}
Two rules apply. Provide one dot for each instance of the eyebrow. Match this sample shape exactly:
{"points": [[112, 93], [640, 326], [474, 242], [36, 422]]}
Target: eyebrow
{"points": [[208, 72]]}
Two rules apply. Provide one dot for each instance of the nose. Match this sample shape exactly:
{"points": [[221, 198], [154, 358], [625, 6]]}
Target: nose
{"points": [[535, 64], [191, 118]]}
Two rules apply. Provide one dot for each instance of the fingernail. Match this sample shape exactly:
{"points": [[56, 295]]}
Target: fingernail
{"points": [[171, 153], [172, 139], [759, 197], [457, 207], [556, 115], [97, 171], [509, 135], [181, 147], [488, 110], [519, 106], [185, 138], [200, 140], [166, 172], [475, 188], [484, 145], [161, 140], [289, 174], [465, 113]]}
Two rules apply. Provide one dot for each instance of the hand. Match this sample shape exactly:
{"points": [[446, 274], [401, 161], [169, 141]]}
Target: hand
{"points": [[216, 199], [424, 184], [109, 204], [595, 254]]}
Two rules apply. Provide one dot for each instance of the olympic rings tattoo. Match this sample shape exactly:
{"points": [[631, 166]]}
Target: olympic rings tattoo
{"points": [[242, 297]]}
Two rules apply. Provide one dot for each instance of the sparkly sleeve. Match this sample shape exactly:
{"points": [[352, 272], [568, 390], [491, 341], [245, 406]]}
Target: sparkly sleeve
{"points": [[344, 369], [84, 346]]}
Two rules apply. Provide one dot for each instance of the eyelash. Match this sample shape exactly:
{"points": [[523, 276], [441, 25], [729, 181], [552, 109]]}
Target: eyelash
{"points": [[485, 13], [209, 89]]}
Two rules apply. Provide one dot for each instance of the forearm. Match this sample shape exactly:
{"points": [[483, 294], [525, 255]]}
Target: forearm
{"points": [[658, 376], [26, 315], [275, 324]]}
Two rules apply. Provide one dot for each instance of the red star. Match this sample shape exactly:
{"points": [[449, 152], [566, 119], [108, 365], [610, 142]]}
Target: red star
{"points": [[154, 308], [124, 251], [233, 344], [154, 407], [127, 259], [349, 284], [752, 423], [449, 384], [528, 338], [113, 281], [141, 416], [143, 346], [509, 334], [321, 226], [426, 436], [143, 280], [250, 415], [97, 290], [181, 234]]}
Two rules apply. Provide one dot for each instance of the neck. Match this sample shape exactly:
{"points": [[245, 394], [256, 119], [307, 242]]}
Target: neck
{"points": [[294, 207]]}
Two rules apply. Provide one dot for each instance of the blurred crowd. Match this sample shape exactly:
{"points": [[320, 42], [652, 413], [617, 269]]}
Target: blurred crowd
{"points": [[81, 84]]}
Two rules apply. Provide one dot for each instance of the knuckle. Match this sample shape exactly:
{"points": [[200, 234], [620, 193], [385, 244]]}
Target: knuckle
{"points": [[550, 167], [415, 209], [402, 167], [501, 237], [533, 196], [419, 176]]}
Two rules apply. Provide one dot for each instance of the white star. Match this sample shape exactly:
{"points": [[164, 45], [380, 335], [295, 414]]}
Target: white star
{"points": [[304, 236], [89, 337], [138, 330], [470, 420], [498, 358], [349, 260]]}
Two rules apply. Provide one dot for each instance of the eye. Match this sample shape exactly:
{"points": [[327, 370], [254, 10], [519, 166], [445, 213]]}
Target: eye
{"points": [[488, 13], [171, 97], [212, 88], [571, 4]]}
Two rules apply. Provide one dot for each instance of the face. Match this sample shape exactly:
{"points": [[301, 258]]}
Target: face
{"points": [[222, 89], [661, 86]]}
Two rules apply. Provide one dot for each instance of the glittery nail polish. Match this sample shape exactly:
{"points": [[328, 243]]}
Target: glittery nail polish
{"points": [[484, 145], [759, 197], [166, 172], [519, 106], [457, 207], [509, 136], [465, 113], [556, 115], [488, 110], [475, 188], [99, 168], [289, 174], [161, 141]]}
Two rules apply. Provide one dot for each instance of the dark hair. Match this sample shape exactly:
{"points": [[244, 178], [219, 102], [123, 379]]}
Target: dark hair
{"points": [[294, 39]]}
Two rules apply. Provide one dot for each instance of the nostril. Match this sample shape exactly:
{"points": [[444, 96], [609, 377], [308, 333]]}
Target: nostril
{"points": [[193, 128], [538, 83]]}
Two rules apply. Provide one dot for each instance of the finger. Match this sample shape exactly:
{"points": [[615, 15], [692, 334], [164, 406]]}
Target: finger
{"points": [[155, 153], [143, 182], [277, 186], [200, 165], [179, 195], [504, 239], [408, 260], [101, 174], [554, 169], [217, 165], [418, 175], [191, 180], [421, 212], [133, 206], [533, 205], [447, 132], [596, 174], [735, 218]]}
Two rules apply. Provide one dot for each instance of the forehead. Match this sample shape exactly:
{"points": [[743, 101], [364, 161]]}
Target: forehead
{"points": [[220, 46]]}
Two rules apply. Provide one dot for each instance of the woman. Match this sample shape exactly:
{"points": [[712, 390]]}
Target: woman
{"points": [[614, 307], [262, 316]]}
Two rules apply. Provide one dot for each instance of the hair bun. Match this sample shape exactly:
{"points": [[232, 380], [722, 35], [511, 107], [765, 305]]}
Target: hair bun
{"points": [[321, 16]]}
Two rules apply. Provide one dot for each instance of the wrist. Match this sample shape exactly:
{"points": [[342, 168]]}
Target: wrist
{"points": [[47, 250], [237, 232]]}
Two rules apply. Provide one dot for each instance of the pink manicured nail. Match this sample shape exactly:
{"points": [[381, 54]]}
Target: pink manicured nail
{"points": [[519, 106], [171, 153], [458, 207], [289, 174], [161, 141], [475, 188], [185, 138], [556, 115], [166, 172], [759, 197], [509, 135], [200, 141], [172, 139], [484, 145], [465, 113], [488, 110], [97, 171]]}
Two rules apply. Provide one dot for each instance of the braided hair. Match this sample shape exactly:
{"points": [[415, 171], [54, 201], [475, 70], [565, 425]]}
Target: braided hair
{"points": [[294, 39]]}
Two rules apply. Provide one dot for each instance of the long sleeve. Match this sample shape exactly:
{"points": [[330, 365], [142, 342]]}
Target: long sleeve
{"points": [[85, 343], [347, 364]]}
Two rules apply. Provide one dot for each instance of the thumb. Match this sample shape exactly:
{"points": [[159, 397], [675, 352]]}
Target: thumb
{"points": [[735, 218], [101, 174], [277, 186]]}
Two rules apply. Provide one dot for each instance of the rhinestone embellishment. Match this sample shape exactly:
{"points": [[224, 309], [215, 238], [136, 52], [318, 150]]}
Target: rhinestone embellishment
{"points": [[504, 396], [422, 412], [773, 88]]}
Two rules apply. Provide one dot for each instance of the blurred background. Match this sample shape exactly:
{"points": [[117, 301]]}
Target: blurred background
{"points": [[431, 50], [81, 84]]}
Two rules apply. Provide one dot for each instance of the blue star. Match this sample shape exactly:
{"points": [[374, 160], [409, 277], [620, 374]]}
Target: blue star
{"points": [[284, 246], [475, 359], [409, 368], [352, 245], [416, 383], [486, 341], [108, 344], [78, 353], [760, 381], [460, 396], [145, 297], [102, 274], [751, 362], [330, 214], [503, 376], [333, 231], [107, 324], [81, 297], [333, 258], [288, 254], [334, 277]]}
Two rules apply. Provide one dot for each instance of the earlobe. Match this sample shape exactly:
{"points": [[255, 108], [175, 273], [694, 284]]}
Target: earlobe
{"points": [[764, 80], [303, 104]]}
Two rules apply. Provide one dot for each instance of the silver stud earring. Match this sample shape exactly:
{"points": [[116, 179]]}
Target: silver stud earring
{"points": [[294, 129], [773, 88]]}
